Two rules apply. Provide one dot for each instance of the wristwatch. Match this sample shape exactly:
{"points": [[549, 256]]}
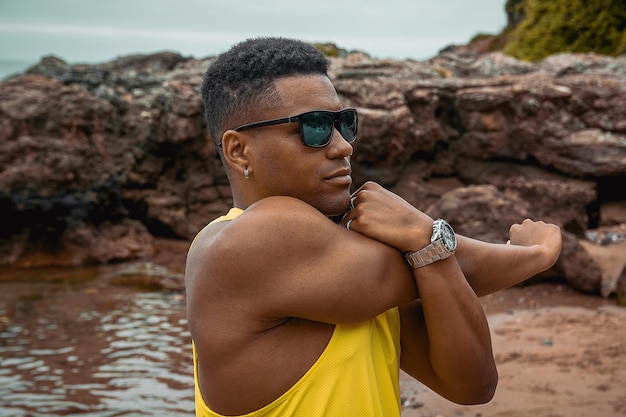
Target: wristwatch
{"points": [[442, 246]]}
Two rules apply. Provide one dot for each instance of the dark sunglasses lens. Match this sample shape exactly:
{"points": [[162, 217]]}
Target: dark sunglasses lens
{"points": [[348, 125], [317, 128]]}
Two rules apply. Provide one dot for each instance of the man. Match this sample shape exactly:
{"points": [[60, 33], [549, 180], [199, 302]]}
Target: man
{"points": [[292, 313]]}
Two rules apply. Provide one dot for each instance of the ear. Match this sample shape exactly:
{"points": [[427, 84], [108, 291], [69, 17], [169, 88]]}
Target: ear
{"points": [[234, 150]]}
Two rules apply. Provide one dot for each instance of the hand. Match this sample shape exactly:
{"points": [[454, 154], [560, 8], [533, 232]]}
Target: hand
{"points": [[382, 215], [545, 235]]}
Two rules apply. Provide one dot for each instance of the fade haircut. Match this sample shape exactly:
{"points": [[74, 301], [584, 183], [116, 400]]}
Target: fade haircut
{"points": [[242, 78]]}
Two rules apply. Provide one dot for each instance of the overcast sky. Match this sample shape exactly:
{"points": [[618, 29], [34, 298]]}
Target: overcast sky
{"points": [[96, 31]]}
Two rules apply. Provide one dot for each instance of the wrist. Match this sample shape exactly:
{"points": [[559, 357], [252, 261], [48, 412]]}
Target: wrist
{"points": [[442, 245], [417, 238], [545, 261]]}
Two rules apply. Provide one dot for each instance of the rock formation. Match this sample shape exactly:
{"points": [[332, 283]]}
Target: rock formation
{"points": [[98, 160]]}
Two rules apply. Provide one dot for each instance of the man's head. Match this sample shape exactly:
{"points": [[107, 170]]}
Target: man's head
{"points": [[280, 124], [242, 78]]}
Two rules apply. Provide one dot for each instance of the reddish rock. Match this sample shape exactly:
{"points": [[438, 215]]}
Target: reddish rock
{"points": [[97, 160], [480, 211], [579, 268]]}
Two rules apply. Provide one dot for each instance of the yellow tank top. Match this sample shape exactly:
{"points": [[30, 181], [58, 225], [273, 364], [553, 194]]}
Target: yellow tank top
{"points": [[357, 374]]}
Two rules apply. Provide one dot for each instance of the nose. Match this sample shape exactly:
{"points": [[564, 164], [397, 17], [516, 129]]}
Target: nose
{"points": [[339, 145]]}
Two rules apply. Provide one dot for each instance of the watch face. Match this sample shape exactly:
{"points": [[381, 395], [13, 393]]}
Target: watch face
{"points": [[445, 232], [449, 238]]}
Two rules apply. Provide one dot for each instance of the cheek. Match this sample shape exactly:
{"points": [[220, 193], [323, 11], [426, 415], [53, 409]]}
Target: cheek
{"points": [[286, 166], [283, 169]]}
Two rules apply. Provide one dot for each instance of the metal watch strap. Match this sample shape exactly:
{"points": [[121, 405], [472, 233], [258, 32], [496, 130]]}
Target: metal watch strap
{"points": [[431, 253]]}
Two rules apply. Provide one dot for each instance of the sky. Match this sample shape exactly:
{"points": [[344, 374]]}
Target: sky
{"points": [[89, 31]]}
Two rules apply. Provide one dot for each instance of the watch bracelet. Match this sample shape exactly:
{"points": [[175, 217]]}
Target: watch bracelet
{"points": [[425, 256]]}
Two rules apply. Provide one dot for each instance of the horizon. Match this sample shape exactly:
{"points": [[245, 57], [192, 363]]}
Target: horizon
{"points": [[81, 32]]}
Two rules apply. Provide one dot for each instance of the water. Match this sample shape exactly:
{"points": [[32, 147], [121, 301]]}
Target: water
{"points": [[94, 350], [8, 68]]}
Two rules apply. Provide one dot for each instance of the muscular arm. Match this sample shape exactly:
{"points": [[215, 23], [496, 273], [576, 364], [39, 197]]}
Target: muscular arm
{"points": [[427, 354], [445, 337], [282, 258], [534, 247]]}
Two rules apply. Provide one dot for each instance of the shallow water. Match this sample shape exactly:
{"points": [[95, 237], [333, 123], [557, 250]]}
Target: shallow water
{"points": [[93, 349]]}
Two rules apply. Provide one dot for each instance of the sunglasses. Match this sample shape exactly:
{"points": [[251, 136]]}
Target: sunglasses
{"points": [[316, 127]]}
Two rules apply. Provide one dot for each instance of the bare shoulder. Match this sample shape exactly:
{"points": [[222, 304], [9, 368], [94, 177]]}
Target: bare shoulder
{"points": [[265, 238], [266, 226]]}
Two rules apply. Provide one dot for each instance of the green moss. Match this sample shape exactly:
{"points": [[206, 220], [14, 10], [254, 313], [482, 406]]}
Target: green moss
{"points": [[621, 48], [539, 28], [328, 49], [514, 11]]}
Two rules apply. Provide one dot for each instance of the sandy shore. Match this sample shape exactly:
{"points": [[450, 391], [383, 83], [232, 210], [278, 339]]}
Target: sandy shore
{"points": [[559, 353]]}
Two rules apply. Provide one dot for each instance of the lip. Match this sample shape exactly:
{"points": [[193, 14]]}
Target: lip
{"points": [[342, 176]]}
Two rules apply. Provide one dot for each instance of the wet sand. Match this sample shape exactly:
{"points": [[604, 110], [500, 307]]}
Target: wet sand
{"points": [[558, 352]]}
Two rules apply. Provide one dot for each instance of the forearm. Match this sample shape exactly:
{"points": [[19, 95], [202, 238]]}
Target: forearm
{"points": [[534, 245], [458, 337], [492, 267]]}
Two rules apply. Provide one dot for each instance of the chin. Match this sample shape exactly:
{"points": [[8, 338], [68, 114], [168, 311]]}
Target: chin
{"points": [[335, 204], [338, 209]]}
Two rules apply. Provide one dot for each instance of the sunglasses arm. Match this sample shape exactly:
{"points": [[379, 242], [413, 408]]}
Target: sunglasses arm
{"points": [[267, 123]]}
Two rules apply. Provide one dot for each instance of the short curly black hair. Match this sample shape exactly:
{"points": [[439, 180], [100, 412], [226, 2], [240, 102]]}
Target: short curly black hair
{"points": [[242, 78]]}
